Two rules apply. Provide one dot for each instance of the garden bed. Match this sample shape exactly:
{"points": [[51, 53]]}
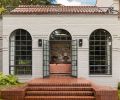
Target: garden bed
{"points": [[9, 82], [2, 87]]}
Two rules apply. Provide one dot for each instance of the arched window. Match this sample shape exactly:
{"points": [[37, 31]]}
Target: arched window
{"points": [[20, 53], [100, 52]]}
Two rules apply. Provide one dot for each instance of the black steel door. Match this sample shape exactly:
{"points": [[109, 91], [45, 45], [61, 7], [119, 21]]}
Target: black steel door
{"points": [[74, 58], [46, 69]]}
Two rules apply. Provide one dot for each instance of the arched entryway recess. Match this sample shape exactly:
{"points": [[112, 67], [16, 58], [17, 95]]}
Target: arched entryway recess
{"points": [[60, 54]]}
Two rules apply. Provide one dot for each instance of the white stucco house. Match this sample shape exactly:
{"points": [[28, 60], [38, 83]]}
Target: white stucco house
{"points": [[80, 41]]}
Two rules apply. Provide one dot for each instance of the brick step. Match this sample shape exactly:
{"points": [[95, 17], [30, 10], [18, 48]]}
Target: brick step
{"points": [[60, 88], [59, 93], [60, 84], [59, 98]]}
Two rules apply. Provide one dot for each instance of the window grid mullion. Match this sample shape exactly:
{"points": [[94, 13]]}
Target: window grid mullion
{"points": [[100, 49], [23, 60]]}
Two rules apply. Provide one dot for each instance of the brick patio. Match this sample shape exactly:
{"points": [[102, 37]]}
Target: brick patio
{"points": [[60, 88]]}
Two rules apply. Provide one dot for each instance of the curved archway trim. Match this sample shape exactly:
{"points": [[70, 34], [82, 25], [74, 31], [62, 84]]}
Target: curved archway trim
{"points": [[60, 34]]}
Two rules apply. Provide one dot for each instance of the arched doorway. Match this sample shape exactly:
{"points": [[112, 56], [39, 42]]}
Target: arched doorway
{"points": [[60, 52]]}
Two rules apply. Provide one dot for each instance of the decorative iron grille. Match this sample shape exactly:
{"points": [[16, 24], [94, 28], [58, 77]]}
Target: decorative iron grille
{"points": [[20, 53], [46, 70], [100, 52]]}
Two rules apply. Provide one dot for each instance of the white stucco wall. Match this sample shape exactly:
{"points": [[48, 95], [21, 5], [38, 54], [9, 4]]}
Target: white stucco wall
{"points": [[116, 4], [0, 25], [104, 3], [108, 3], [0, 43], [80, 27]]}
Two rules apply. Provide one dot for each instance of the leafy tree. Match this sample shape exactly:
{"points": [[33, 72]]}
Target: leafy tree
{"points": [[14, 2], [43, 2], [5, 3], [2, 10], [25, 2], [35, 2], [10, 4]]}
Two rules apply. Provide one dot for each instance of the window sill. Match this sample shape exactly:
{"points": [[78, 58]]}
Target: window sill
{"points": [[100, 75], [23, 76]]}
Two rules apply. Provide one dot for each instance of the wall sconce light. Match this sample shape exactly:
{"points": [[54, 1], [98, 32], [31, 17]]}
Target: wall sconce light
{"points": [[40, 42], [80, 42]]}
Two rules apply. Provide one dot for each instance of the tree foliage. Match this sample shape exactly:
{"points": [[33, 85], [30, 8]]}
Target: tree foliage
{"points": [[2, 10], [8, 4], [35, 2], [5, 3]]}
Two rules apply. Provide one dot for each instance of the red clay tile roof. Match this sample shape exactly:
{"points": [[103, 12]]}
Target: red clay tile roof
{"points": [[38, 9]]}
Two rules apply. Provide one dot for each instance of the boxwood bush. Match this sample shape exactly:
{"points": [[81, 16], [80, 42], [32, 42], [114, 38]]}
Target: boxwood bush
{"points": [[119, 85], [8, 79]]}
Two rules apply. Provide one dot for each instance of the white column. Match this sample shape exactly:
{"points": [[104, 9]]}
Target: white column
{"points": [[6, 55]]}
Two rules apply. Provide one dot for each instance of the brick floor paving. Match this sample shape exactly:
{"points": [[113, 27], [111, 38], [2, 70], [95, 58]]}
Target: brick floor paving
{"points": [[60, 87], [58, 79]]}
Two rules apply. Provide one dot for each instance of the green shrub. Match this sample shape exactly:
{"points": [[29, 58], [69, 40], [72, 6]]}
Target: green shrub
{"points": [[119, 86], [8, 79], [2, 10], [119, 94]]}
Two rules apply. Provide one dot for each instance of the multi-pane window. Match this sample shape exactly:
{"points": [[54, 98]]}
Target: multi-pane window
{"points": [[20, 53], [100, 52]]}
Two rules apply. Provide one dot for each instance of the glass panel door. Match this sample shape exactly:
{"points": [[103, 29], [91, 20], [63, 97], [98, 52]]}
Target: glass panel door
{"points": [[74, 58], [46, 71]]}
